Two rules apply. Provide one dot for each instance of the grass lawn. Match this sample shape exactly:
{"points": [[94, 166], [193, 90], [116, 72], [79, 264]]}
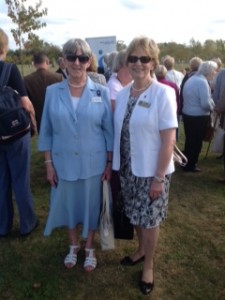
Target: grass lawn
{"points": [[189, 262]]}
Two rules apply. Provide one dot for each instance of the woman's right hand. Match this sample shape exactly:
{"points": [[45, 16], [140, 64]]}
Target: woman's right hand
{"points": [[51, 175]]}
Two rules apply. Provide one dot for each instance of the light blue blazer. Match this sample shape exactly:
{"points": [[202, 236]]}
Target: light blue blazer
{"points": [[78, 141]]}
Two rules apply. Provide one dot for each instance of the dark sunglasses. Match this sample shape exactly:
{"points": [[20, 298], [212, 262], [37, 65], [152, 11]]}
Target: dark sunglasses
{"points": [[83, 59], [143, 59]]}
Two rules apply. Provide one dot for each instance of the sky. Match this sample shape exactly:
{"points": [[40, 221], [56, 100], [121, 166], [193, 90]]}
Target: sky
{"points": [[162, 20]]}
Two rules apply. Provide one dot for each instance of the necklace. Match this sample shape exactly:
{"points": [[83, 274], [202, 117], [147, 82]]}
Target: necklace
{"points": [[142, 89], [76, 86]]}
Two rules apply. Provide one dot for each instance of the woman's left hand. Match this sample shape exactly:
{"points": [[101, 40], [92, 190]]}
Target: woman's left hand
{"points": [[108, 172], [156, 189]]}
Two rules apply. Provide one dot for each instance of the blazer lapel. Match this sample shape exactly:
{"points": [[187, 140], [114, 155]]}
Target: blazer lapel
{"points": [[65, 97], [88, 92]]}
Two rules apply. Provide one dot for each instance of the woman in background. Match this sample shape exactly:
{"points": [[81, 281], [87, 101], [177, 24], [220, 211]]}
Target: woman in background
{"points": [[92, 71], [197, 105], [120, 76]]}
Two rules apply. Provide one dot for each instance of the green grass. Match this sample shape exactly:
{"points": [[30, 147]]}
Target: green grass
{"points": [[189, 261]]}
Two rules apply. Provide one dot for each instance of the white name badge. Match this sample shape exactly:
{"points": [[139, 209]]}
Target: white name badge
{"points": [[96, 99], [144, 104]]}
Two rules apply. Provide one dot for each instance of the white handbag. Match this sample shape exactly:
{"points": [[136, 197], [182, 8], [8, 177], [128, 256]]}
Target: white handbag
{"points": [[218, 140], [106, 228], [179, 157]]}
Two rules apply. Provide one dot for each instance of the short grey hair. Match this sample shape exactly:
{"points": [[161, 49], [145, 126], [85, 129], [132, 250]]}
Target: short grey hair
{"points": [[119, 61], [72, 46], [111, 58], [207, 67]]}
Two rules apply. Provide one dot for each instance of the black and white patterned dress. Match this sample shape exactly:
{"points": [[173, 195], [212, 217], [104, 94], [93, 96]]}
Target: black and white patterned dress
{"points": [[139, 208]]}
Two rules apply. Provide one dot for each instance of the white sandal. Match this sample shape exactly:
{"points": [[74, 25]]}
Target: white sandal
{"points": [[90, 262], [71, 258]]}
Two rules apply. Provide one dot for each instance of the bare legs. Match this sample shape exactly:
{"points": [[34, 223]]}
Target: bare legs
{"points": [[73, 237], [150, 239], [140, 250], [147, 242]]}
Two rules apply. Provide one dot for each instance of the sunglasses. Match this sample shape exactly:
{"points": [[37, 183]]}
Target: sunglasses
{"points": [[143, 59], [83, 59]]}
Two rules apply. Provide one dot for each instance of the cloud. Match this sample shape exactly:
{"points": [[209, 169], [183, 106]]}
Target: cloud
{"points": [[220, 21], [134, 4]]}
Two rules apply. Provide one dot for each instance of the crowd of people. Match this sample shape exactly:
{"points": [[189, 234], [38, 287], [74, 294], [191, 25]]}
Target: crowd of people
{"points": [[91, 124]]}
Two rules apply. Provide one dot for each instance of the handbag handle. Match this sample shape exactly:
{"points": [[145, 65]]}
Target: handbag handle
{"points": [[106, 198], [179, 157]]}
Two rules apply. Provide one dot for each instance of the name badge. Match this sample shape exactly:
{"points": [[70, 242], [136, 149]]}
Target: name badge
{"points": [[96, 99], [144, 104]]}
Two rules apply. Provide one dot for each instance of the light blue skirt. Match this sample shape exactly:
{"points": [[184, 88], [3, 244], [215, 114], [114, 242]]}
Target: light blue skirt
{"points": [[73, 203]]}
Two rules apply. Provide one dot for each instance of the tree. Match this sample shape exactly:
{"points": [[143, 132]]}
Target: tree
{"points": [[26, 19], [120, 45]]}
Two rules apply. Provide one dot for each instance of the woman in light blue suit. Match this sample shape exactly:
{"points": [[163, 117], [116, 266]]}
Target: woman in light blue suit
{"points": [[77, 137]]}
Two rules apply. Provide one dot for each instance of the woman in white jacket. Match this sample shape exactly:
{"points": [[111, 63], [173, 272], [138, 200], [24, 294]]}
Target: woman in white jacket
{"points": [[145, 125]]}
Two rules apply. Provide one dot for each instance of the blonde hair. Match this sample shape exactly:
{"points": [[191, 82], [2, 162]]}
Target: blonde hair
{"points": [[93, 65], [169, 62], [160, 71], [147, 45], [4, 42], [194, 63], [218, 61]]}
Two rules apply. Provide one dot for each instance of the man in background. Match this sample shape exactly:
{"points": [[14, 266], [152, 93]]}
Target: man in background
{"points": [[62, 69], [37, 82]]}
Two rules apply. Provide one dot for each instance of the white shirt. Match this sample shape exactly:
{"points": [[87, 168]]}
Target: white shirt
{"points": [[154, 111], [114, 86], [175, 76]]}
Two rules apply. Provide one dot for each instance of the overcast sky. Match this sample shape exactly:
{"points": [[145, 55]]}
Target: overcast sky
{"points": [[163, 20]]}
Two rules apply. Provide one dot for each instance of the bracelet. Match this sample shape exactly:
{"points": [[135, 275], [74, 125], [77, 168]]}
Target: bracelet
{"points": [[159, 179], [47, 161]]}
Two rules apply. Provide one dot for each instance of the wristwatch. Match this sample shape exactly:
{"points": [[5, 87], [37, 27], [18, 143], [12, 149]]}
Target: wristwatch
{"points": [[159, 179]]}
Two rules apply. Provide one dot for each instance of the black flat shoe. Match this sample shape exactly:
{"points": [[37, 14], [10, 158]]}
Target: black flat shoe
{"points": [[127, 261], [146, 287], [28, 233]]}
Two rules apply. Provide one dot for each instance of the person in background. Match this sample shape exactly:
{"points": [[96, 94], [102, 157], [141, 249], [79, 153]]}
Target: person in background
{"points": [[120, 76], [219, 67], [37, 82], [172, 74], [92, 71], [145, 125], [109, 60], [77, 138], [61, 69], [194, 64], [197, 106], [15, 162], [160, 72], [218, 92], [100, 62], [219, 99]]}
